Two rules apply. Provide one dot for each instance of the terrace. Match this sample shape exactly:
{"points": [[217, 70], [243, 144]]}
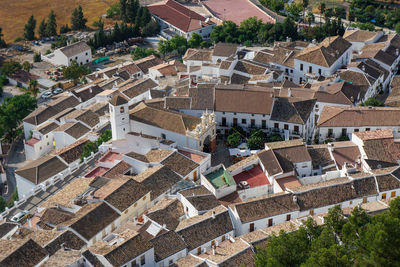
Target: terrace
{"points": [[220, 178], [254, 176], [193, 156], [98, 171], [111, 157]]}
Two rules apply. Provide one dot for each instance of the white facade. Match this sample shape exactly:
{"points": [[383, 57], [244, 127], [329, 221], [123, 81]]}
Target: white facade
{"points": [[58, 58], [119, 119], [336, 132]]}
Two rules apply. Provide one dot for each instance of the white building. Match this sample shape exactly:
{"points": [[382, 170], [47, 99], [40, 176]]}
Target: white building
{"points": [[358, 38], [79, 52], [175, 19]]}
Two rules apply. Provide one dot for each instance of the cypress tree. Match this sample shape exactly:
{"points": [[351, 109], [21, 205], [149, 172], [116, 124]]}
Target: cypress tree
{"points": [[123, 11], [51, 27], [29, 33], [42, 29]]}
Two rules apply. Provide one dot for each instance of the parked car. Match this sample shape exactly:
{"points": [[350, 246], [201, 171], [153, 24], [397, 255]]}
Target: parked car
{"points": [[20, 216], [46, 95], [57, 91]]}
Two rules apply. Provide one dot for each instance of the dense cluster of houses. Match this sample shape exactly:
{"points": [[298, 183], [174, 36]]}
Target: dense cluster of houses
{"points": [[151, 196]]}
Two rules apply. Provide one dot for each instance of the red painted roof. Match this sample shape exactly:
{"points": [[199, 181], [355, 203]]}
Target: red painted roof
{"points": [[254, 177], [31, 142], [98, 171], [111, 157], [195, 157], [178, 16]]}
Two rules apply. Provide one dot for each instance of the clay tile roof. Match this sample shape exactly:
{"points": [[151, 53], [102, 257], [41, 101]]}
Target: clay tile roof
{"points": [[25, 253], [202, 97], [121, 253], [224, 49], [74, 49], [47, 127], [158, 180], [118, 100], [40, 170], [358, 35], [168, 212], [72, 152], [378, 134], [180, 164], [387, 182], [203, 203], [145, 63], [126, 195], [118, 170], [138, 87], [55, 216], [97, 219], [265, 207], [167, 244], [88, 92], [131, 68], [243, 101], [178, 102], [334, 194], [203, 54], [238, 79], [270, 162], [77, 130], [249, 67], [289, 110], [359, 116], [178, 15], [205, 228], [6, 227], [320, 156], [40, 115], [164, 119]]}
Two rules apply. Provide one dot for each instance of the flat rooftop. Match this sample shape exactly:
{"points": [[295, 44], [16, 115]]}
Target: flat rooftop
{"points": [[32, 141], [111, 157], [220, 178], [195, 157], [289, 182], [254, 177], [98, 171]]}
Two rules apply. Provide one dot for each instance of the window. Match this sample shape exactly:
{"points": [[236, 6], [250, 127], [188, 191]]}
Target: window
{"points": [[270, 222], [286, 126], [311, 212], [142, 260], [223, 121], [263, 124], [393, 194], [234, 113], [356, 130], [330, 132], [123, 129], [300, 80], [121, 109], [364, 200], [316, 106], [171, 261], [367, 129], [276, 125], [310, 69], [87, 60], [223, 238], [301, 67], [288, 217], [187, 209], [76, 57], [251, 227], [163, 136], [287, 71], [235, 121], [134, 264], [86, 53], [291, 71], [223, 112], [253, 123], [319, 71], [40, 148], [213, 243], [296, 128], [198, 251], [144, 198], [244, 121], [48, 143], [344, 131], [384, 196]]}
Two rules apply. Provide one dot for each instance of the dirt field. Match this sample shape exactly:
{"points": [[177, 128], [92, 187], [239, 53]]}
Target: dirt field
{"points": [[15, 13]]}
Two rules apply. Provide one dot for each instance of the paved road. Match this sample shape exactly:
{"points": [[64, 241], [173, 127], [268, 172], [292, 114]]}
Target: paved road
{"points": [[15, 159]]}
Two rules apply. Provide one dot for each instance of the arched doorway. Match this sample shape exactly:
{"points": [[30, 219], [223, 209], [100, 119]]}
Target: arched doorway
{"points": [[207, 144]]}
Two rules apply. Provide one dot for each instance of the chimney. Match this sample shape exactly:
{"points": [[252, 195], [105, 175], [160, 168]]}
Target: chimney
{"points": [[164, 226], [397, 51], [213, 250], [213, 215], [363, 68], [295, 199], [289, 92]]}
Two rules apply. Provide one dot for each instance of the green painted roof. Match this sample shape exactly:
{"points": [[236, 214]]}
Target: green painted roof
{"points": [[220, 178]]}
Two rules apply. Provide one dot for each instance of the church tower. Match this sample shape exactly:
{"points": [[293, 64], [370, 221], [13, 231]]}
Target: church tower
{"points": [[119, 117]]}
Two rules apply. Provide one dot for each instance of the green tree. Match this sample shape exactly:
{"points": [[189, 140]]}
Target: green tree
{"points": [[310, 18], [10, 67], [42, 29], [141, 52], [29, 30], [234, 139], [26, 66], [114, 10], [2, 42], [305, 5], [51, 25], [372, 102], [123, 10], [335, 219], [78, 20], [333, 256], [152, 28], [12, 111], [3, 204], [64, 29], [74, 72], [294, 10], [145, 18], [33, 87], [195, 41], [397, 27], [322, 7], [394, 208]]}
